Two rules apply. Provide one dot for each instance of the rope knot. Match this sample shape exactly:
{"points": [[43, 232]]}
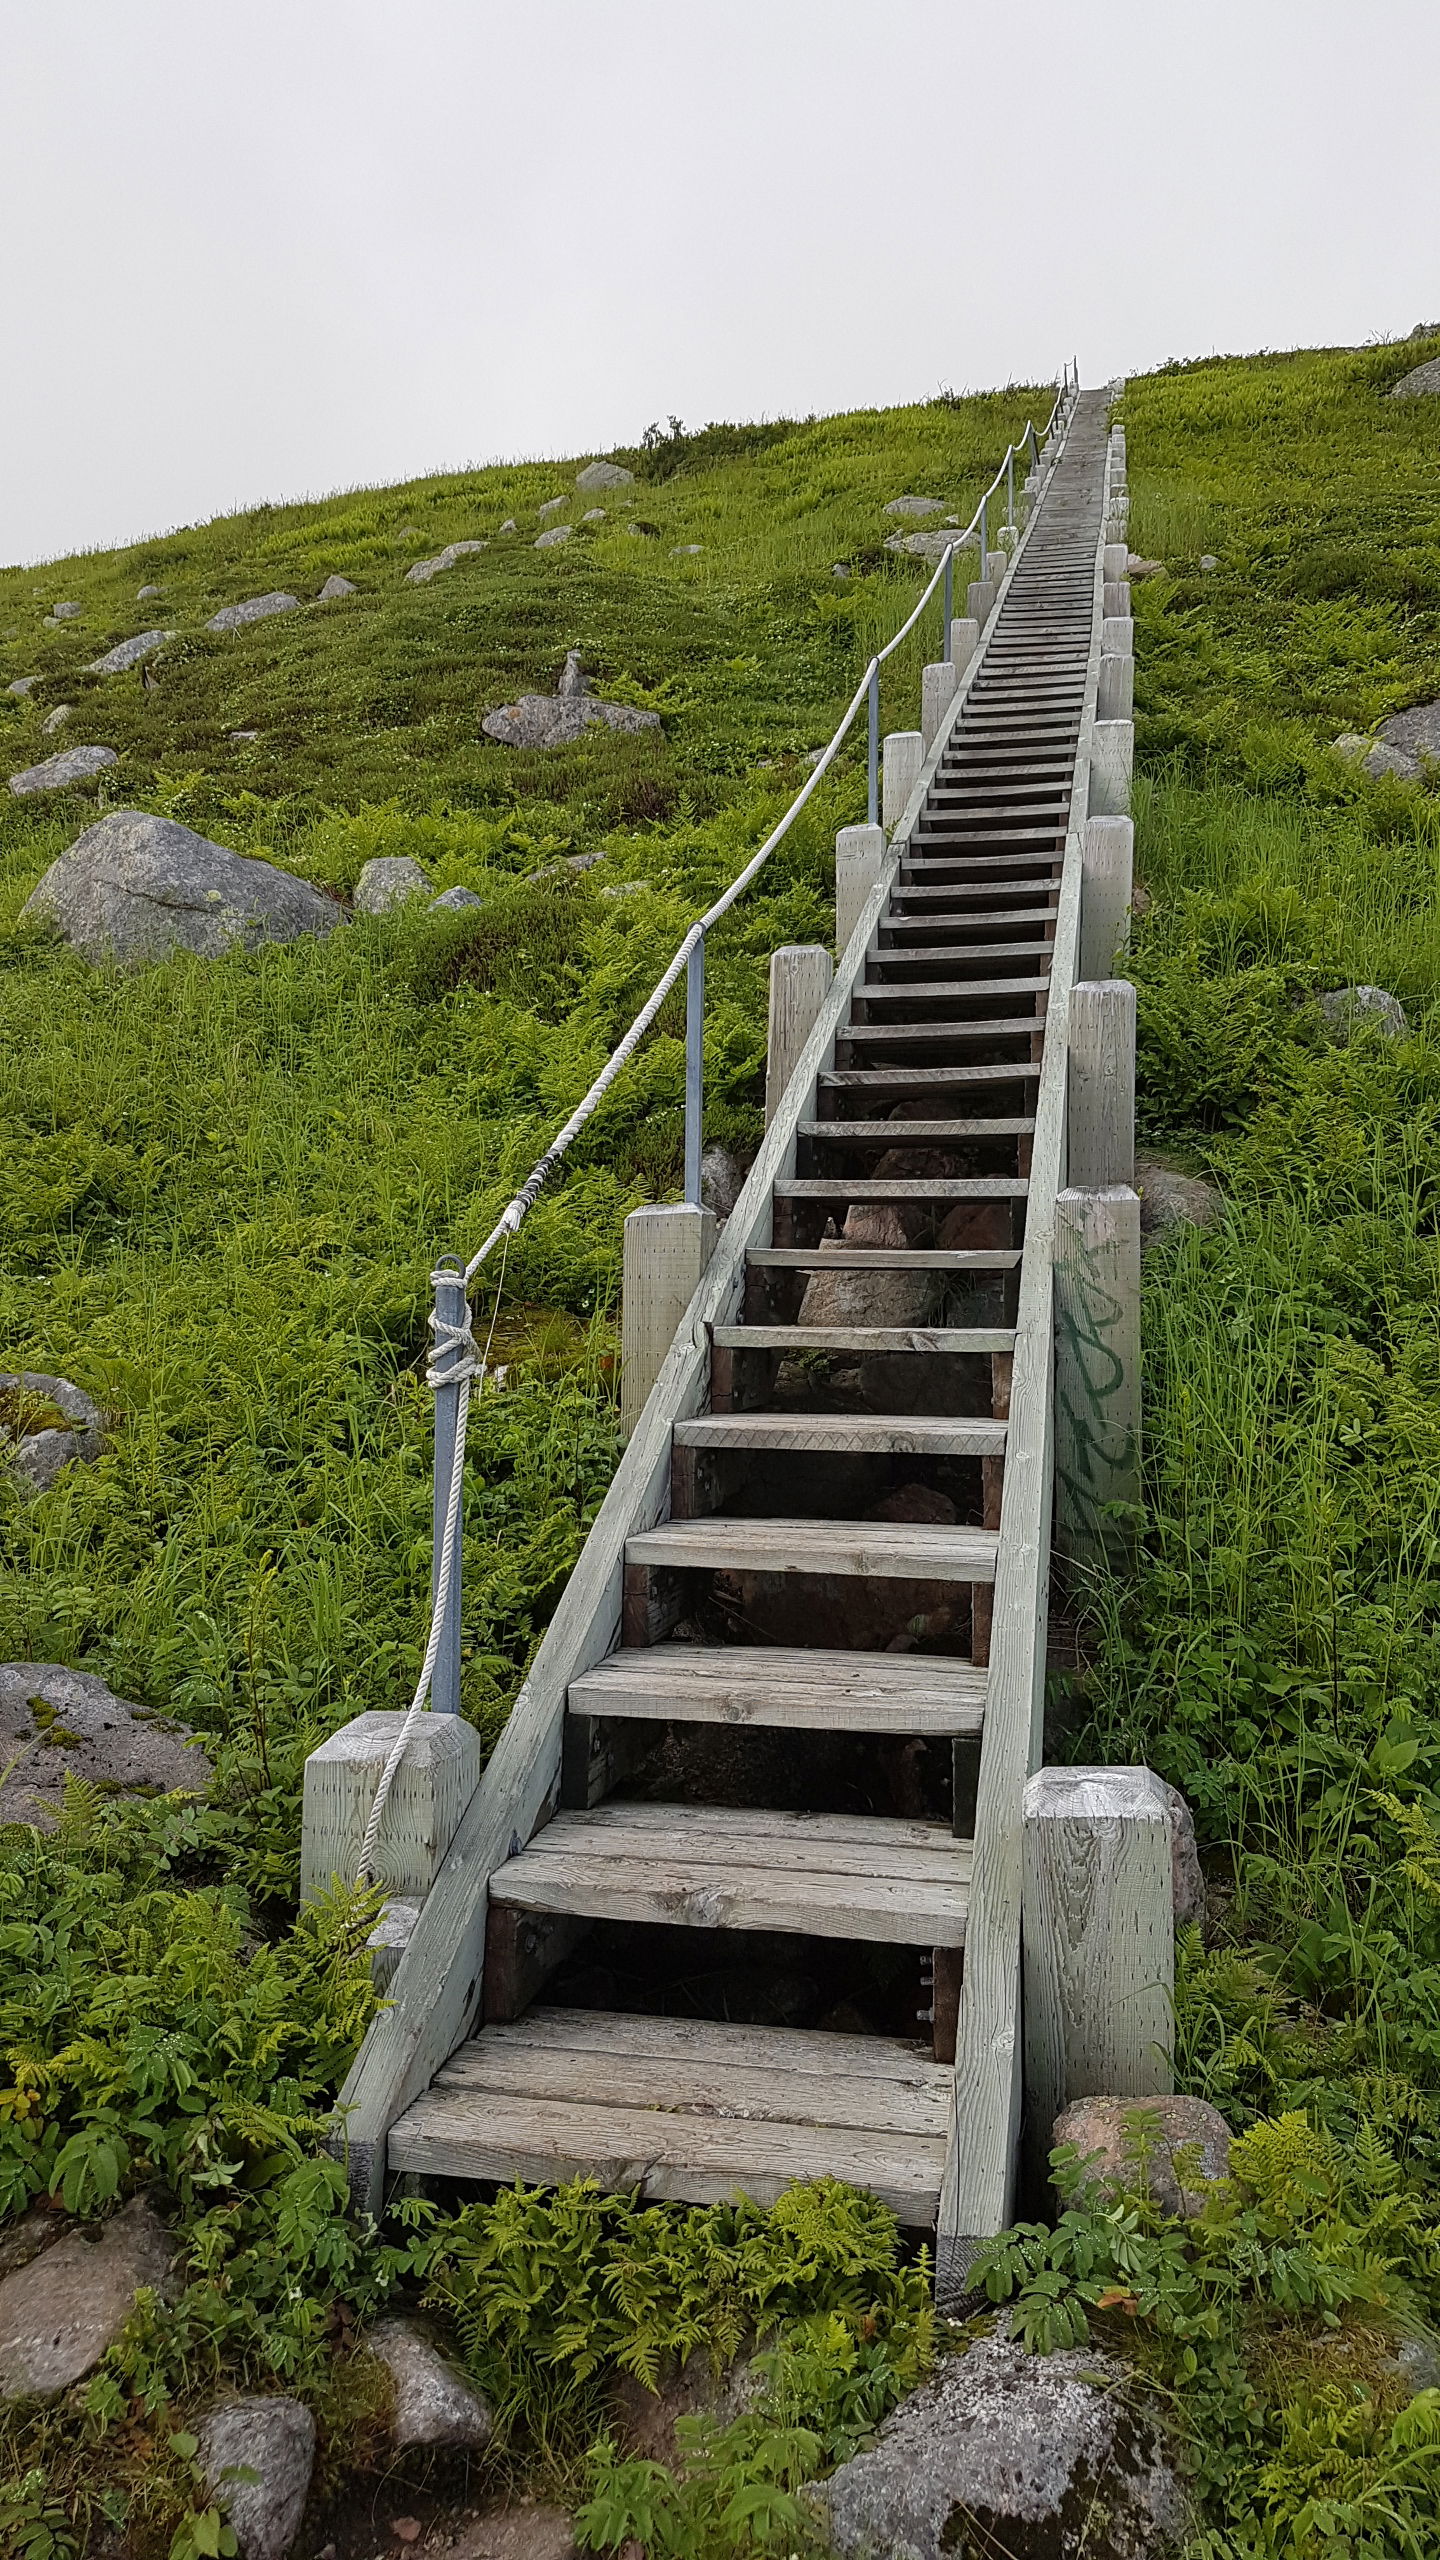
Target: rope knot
{"points": [[457, 1355]]}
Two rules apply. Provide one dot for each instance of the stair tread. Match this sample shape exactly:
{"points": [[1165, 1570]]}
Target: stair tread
{"points": [[735, 1867], [682, 2109], [1006, 1027], [947, 1186], [863, 1339], [887, 1550], [819, 1688], [938, 990], [879, 1257], [902, 1080], [913, 1133], [977, 951]]}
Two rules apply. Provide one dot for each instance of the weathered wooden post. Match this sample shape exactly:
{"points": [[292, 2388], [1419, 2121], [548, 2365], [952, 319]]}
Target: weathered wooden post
{"points": [[904, 754], [979, 601], [964, 641], [1099, 1942], [1100, 1129], [1107, 886], [861, 854], [1112, 760], [1117, 561], [431, 1789], [1097, 1372], [664, 1256], [1115, 689], [938, 686], [800, 975]]}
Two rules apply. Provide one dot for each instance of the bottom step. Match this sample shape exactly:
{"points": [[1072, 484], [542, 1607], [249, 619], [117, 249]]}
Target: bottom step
{"points": [[686, 2109]]}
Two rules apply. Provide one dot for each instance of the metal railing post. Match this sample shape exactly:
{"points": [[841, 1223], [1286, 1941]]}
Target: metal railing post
{"points": [[949, 612], [694, 1069], [1010, 486], [451, 1311], [873, 759], [984, 537]]}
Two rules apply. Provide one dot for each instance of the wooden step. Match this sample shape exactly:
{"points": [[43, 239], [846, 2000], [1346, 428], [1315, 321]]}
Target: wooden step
{"points": [[980, 952], [948, 1186], [891, 1033], [688, 1866], [685, 2110], [862, 1341], [815, 1691], [879, 1257], [877, 1550], [951, 991], [912, 1133], [878, 1082]]}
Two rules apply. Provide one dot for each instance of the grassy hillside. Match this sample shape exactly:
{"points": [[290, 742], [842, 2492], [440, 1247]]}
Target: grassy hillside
{"points": [[220, 1188]]}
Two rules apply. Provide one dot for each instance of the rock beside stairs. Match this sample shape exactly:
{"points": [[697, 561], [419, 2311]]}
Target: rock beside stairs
{"points": [[1188, 2147], [1040, 2457], [233, 617], [54, 1721], [77, 764], [136, 887], [432, 2403], [273, 2440], [65, 2309], [34, 1447]]}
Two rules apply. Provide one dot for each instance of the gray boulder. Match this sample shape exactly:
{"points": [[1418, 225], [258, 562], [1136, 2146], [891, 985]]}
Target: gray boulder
{"points": [[1102, 2130], [1348, 1007], [868, 1297], [54, 1722], [233, 617], [1415, 733], [593, 515], [604, 475], [23, 685], [66, 612], [1208, 560], [1038, 2457], [1382, 757], [128, 653], [509, 525], [387, 882], [34, 1446], [517, 2533], [274, 2441], [1422, 384], [573, 679], [722, 1177], [425, 570], [557, 533], [911, 506], [334, 588], [550, 507], [77, 764], [433, 2404], [1170, 1198], [143, 594], [64, 2310], [453, 901], [136, 887], [685, 550], [1187, 1880], [921, 546], [557, 720], [57, 718]]}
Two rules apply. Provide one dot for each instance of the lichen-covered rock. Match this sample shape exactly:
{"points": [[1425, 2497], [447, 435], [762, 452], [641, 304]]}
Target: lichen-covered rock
{"points": [[1037, 2457], [144, 594], [1103, 2132], [129, 653], [55, 1721], [233, 617], [1414, 733], [604, 475], [56, 719], [1422, 384], [23, 685], [452, 901], [334, 588], [57, 773], [425, 570], [911, 506], [556, 533], [433, 2404], [1347, 1008], [387, 881], [593, 515], [136, 887], [274, 2441], [67, 612], [557, 720], [574, 684], [61, 2312], [550, 507], [33, 1443], [1170, 1198]]}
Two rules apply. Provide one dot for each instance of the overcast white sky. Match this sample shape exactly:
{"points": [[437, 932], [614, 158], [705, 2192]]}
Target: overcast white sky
{"points": [[270, 249]]}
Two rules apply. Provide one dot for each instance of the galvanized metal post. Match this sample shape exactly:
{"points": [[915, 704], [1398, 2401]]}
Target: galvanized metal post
{"points": [[1010, 486], [984, 537], [949, 597], [451, 1310], [694, 1069], [873, 767]]}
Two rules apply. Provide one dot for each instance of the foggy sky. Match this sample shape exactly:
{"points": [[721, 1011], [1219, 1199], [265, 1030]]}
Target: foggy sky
{"points": [[275, 249]]}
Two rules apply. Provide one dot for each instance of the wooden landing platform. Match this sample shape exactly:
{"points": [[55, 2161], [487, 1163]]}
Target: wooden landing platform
{"points": [[685, 2109]]}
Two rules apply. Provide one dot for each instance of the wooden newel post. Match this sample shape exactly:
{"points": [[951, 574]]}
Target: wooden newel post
{"points": [[1097, 1372], [903, 756], [800, 975], [1107, 887], [937, 691], [664, 1257], [1100, 1130], [1098, 1935], [1112, 762], [861, 854]]}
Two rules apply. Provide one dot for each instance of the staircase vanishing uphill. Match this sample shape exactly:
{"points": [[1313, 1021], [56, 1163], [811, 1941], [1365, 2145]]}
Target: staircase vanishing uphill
{"points": [[768, 1791]]}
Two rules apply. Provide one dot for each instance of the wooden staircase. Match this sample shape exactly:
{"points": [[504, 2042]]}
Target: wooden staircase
{"points": [[780, 1745]]}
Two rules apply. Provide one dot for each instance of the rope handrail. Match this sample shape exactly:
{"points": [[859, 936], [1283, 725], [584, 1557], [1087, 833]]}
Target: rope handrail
{"points": [[457, 1360]]}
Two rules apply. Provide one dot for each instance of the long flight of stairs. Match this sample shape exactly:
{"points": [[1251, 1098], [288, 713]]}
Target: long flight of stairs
{"points": [[781, 1758]]}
